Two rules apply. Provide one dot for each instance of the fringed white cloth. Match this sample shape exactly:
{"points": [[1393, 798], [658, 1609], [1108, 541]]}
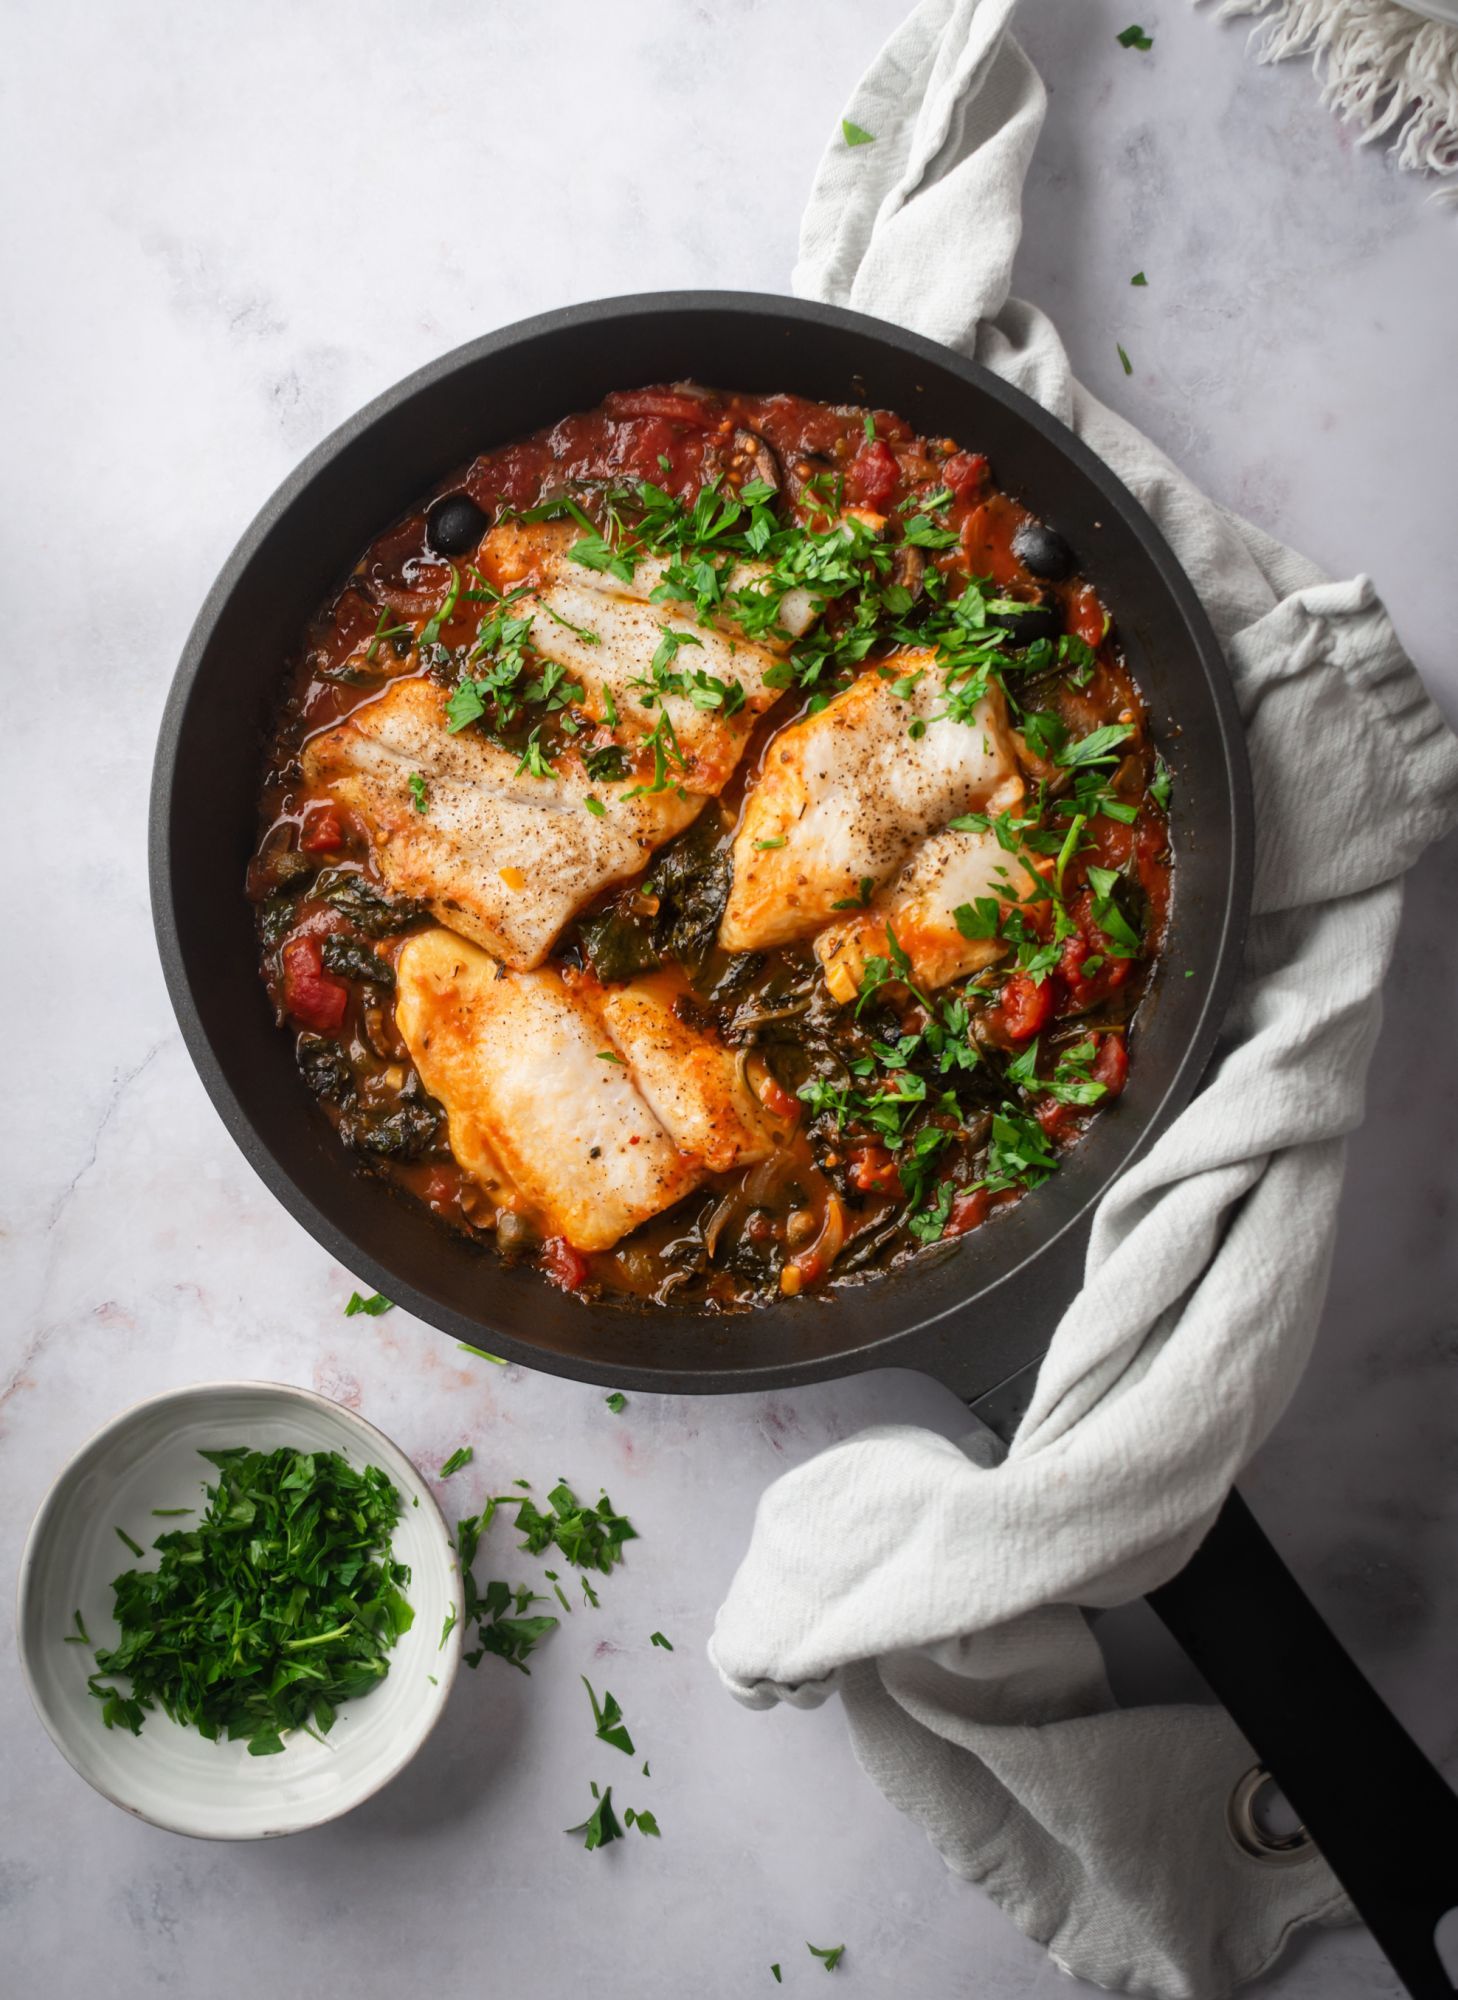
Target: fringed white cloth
{"points": [[1385, 69]]}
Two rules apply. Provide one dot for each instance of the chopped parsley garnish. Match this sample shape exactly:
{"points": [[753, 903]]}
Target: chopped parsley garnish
{"points": [[1071, 1081], [1097, 747], [829, 1954], [607, 1719], [657, 1639], [1139, 279], [589, 1537], [374, 1305], [765, 845], [1128, 365], [856, 135], [282, 1602], [502, 1629], [865, 890], [643, 1819], [601, 1824], [1018, 1154], [1134, 38], [480, 1353], [462, 1455], [430, 631], [617, 1402], [778, 1978], [135, 1547], [612, 1056], [1163, 784], [419, 792]]}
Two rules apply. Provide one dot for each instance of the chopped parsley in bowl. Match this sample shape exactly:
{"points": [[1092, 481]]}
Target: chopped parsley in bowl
{"points": [[239, 1610]]}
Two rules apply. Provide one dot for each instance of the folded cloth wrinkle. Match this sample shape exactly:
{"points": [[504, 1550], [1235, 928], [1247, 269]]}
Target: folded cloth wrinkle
{"points": [[941, 1589]]}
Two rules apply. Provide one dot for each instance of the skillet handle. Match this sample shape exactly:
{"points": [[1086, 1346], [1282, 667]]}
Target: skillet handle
{"points": [[1377, 1809]]}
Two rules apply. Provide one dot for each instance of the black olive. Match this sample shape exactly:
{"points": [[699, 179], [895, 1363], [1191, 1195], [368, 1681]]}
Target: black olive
{"points": [[1041, 551], [1029, 623], [454, 526]]}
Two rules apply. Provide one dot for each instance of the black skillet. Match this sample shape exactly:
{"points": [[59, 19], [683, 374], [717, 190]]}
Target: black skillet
{"points": [[977, 1316]]}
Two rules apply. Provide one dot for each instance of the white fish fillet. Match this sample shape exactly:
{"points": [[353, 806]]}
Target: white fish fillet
{"points": [[945, 873], [534, 1114], [845, 795], [606, 631], [689, 1078], [505, 860]]}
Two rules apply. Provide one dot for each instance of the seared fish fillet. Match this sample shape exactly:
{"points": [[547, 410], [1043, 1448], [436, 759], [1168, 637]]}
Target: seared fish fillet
{"points": [[605, 632], [688, 1078], [515, 1059], [586, 1148], [846, 794], [920, 905], [505, 860]]}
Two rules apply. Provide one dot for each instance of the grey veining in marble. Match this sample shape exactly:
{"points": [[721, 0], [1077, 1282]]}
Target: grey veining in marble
{"points": [[229, 224]]}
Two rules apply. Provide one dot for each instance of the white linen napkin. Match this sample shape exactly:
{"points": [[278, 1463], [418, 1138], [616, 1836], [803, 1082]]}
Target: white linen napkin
{"points": [[932, 1587]]}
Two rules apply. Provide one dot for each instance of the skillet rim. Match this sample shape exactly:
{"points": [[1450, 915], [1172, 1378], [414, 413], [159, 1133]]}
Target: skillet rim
{"points": [[920, 1344]]}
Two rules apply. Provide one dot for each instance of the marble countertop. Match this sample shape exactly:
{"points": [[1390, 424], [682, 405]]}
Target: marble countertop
{"points": [[236, 224]]}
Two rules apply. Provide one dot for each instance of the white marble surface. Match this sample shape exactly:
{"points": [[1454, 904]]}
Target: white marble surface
{"points": [[229, 225]]}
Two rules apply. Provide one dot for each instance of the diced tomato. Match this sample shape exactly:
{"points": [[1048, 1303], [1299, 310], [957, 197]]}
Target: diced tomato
{"points": [[312, 997], [1085, 990], [1086, 617], [874, 475], [1026, 1006], [873, 1171], [564, 1265], [323, 832], [965, 473], [1111, 1066], [670, 404], [776, 1099], [969, 1208], [1053, 1117]]}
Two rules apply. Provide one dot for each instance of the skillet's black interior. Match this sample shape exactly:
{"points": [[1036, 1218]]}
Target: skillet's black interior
{"points": [[956, 1316]]}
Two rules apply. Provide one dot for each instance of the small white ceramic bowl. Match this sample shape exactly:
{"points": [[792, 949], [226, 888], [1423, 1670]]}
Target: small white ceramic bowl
{"points": [[148, 1457]]}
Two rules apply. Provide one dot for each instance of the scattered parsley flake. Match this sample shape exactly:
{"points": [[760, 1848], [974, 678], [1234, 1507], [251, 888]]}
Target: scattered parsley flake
{"points": [[831, 1954], [419, 792], [607, 1717], [856, 135], [1139, 279], [617, 1402], [374, 1305], [601, 1824], [1134, 38], [480, 1353], [135, 1547], [657, 1639], [461, 1456], [1128, 364]]}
